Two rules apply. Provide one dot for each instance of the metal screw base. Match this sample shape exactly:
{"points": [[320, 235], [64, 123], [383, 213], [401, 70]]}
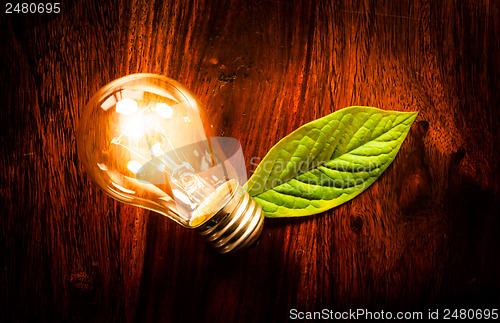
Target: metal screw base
{"points": [[236, 226]]}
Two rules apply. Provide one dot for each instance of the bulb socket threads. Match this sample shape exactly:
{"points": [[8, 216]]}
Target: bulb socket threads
{"points": [[236, 226]]}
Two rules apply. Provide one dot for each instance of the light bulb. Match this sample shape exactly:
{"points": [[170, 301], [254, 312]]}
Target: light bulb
{"points": [[145, 140]]}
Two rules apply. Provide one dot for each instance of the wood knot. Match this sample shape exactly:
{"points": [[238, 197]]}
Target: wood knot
{"points": [[81, 282], [421, 128], [356, 224], [82, 292]]}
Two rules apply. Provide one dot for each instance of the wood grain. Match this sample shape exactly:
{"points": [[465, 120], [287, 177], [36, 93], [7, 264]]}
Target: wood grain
{"points": [[425, 235]]}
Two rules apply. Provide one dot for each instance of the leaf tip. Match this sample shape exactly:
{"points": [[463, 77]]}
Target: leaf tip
{"points": [[413, 115]]}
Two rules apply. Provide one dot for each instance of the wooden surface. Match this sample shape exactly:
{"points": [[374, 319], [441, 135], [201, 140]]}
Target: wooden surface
{"points": [[425, 235]]}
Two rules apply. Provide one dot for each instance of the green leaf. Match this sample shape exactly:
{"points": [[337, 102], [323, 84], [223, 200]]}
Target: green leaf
{"points": [[328, 161]]}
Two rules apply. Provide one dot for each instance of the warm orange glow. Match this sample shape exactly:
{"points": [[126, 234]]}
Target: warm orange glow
{"points": [[126, 106]]}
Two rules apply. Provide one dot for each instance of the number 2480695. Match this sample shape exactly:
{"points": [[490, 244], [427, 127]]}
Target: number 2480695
{"points": [[32, 7]]}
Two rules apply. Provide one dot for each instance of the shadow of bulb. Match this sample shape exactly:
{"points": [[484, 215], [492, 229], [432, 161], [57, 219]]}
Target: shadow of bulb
{"points": [[146, 140]]}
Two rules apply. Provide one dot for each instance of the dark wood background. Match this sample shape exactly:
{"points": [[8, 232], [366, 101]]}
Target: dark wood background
{"points": [[425, 235]]}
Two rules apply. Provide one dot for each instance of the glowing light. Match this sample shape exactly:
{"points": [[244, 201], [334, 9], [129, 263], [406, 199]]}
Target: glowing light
{"points": [[181, 196], [126, 106], [157, 151], [134, 128], [134, 166], [164, 110], [145, 140]]}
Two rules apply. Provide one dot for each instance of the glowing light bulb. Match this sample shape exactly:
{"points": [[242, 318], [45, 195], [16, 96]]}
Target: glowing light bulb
{"points": [[146, 141]]}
